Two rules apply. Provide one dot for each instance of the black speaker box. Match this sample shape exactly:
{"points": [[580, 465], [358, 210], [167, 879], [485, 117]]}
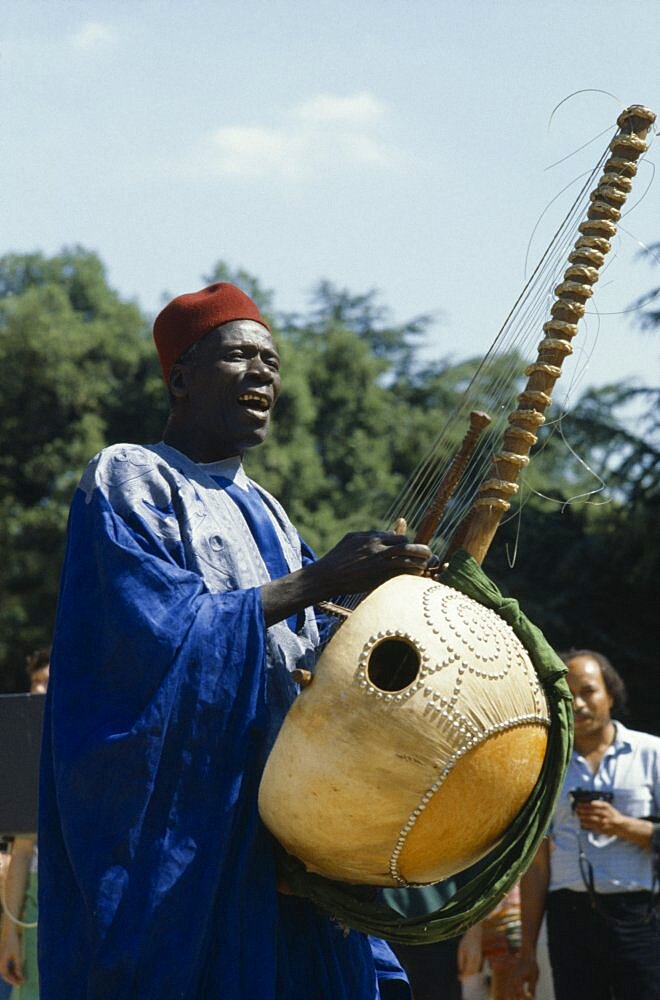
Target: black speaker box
{"points": [[21, 722]]}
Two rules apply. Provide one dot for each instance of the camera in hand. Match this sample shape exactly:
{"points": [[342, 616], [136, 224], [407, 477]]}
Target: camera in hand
{"points": [[581, 795]]}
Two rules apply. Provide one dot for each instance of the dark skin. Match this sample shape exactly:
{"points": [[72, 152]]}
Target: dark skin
{"points": [[222, 404]]}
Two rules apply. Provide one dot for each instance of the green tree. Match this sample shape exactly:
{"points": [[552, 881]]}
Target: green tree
{"points": [[76, 372]]}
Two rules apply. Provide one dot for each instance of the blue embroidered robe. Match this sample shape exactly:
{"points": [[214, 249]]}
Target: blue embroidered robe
{"points": [[157, 878]]}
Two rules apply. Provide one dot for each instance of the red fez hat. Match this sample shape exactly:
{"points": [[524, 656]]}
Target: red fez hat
{"points": [[188, 318]]}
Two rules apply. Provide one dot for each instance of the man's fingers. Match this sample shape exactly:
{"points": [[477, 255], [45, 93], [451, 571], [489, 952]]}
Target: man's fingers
{"points": [[409, 551], [394, 546], [390, 538]]}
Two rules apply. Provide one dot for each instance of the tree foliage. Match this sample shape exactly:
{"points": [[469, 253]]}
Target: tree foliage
{"points": [[356, 415], [77, 371]]}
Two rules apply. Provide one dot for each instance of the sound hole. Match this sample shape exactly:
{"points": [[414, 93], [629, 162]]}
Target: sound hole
{"points": [[393, 665]]}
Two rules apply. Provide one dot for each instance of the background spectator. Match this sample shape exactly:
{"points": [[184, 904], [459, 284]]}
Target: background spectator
{"points": [[594, 873]]}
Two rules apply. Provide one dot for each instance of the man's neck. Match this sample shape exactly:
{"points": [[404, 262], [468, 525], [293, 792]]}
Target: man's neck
{"points": [[193, 446], [595, 745]]}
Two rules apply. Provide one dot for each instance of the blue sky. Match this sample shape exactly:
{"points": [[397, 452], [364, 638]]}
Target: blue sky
{"points": [[389, 145]]}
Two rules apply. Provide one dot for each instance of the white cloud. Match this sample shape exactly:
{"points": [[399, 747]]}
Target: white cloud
{"points": [[91, 35], [326, 132], [360, 109], [254, 151]]}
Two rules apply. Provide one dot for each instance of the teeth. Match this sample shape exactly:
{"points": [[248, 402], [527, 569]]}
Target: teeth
{"points": [[250, 397]]}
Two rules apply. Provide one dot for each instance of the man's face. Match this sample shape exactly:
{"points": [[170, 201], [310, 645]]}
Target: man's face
{"points": [[233, 382], [592, 702]]}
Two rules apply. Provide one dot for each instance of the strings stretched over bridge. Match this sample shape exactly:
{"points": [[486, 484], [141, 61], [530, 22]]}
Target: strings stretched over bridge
{"points": [[553, 288]]}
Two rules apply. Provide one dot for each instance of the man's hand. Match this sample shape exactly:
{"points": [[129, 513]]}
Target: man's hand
{"points": [[359, 563], [599, 817], [363, 560], [523, 977]]}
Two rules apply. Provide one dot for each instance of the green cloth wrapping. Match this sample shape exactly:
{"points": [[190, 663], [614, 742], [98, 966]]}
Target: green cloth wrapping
{"points": [[362, 907]]}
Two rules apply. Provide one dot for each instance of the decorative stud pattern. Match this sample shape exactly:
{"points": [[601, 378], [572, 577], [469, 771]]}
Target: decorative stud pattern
{"points": [[466, 641], [428, 795], [475, 639], [363, 680]]}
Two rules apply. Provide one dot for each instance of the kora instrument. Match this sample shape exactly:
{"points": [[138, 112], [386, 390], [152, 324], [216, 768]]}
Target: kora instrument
{"points": [[425, 728], [406, 758]]}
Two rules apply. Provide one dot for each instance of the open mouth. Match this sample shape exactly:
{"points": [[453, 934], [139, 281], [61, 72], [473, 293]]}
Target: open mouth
{"points": [[254, 401]]}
